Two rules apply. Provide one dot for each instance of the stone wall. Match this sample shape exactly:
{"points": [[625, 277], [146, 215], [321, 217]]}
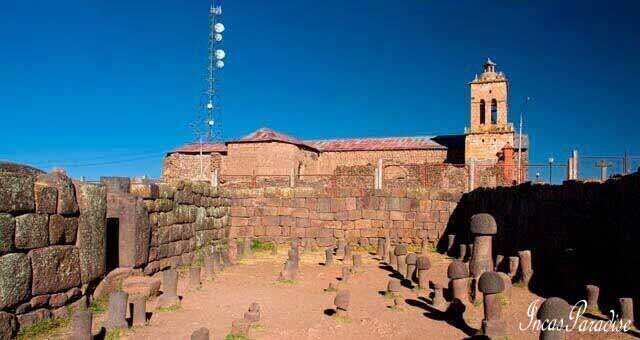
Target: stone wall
{"points": [[355, 214], [185, 218], [579, 233], [51, 244]]}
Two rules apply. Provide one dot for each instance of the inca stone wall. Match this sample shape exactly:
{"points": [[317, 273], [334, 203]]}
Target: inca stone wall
{"points": [[325, 215], [53, 235], [185, 218], [51, 244]]}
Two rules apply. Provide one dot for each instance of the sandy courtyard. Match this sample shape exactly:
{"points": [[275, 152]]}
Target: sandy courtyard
{"points": [[300, 310]]}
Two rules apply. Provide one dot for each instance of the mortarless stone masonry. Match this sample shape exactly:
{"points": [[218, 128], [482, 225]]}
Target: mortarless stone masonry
{"points": [[327, 215]]}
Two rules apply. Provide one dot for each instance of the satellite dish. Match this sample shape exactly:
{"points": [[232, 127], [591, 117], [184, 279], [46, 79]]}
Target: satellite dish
{"points": [[219, 64], [220, 54], [218, 37], [219, 27]]}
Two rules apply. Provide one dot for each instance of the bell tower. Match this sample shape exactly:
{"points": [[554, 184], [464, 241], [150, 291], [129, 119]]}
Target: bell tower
{"points": [[489, 129]]}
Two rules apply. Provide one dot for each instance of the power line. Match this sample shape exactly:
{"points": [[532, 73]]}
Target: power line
{"points": [[86, 164]]}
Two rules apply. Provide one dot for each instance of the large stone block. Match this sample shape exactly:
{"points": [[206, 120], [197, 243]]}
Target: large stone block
{"points": [[7, 230], [55, 269], [145, 190], [15, 276], [46, 198], [135, 233], [67, 204], [91, 238], [32, 231], [16, 191], [62, 230], [8, 325]]}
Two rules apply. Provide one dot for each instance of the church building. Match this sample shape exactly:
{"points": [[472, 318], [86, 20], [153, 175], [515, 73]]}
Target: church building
{"points": [[490, 139]]}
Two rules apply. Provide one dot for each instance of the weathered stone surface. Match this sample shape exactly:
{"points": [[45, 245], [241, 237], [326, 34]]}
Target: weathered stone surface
{"points": [[393, 286], [554, 308], [55, 268], [141, 285], [39, 301], [412, 258], [32, 231], [7, 231], [423, 263], [19, 168], [62, 230], [74, 293], [139, 313], [200, 334], [145, 190], [491, 283], [91, 239], [15, 276], [8, 325], [116, 184], [457, 270], [240, 328], [342, 300], [483, 224], [117, 311], [81, 325], [28, 319], [400, 249], [135, 229], [58, 300], [16, 191], [67, 204], [112, 280], [46, 198]]}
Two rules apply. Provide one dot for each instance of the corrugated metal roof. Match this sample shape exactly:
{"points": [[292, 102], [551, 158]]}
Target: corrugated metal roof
{"points": [[374, 144], [345, 144], [268, 135], [207, 147]]}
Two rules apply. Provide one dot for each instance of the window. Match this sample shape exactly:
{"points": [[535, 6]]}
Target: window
{"points": [[482, 112], [494, 111]]}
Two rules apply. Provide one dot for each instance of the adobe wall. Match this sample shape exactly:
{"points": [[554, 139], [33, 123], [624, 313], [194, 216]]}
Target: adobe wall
{"points": [[484, 147], [354, 214], [52, 243], [267, 158], [187, 166], [328, 162]]}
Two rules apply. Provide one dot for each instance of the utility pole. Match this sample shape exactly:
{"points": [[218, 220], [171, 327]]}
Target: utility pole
{"points": [[524, 108]]}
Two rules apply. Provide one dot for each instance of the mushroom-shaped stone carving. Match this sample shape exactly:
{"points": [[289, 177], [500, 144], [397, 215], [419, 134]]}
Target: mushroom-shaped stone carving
{"points": [[342, 302]]}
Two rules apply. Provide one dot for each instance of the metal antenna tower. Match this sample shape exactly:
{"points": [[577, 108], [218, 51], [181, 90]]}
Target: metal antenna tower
{"points": [[210, 106]]}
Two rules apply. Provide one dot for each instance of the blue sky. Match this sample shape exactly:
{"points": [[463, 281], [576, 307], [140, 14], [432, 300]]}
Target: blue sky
{"points": [[106, 87]]}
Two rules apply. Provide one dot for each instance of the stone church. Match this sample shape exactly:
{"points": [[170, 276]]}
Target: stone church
{"points": [[490, 139]]}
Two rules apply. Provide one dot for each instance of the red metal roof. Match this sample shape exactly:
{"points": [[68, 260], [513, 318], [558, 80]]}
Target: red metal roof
{"points": [[268, 135], [335, 145], [207, 147], [375, 144]]}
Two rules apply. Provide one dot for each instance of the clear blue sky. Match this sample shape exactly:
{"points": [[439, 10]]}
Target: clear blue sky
{"points": [[84, 83]]}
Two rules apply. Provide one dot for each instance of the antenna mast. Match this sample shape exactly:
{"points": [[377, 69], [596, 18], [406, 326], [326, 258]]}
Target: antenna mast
{"points": [[210, 104]]}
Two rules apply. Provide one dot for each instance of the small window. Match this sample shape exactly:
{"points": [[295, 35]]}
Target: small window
{"points": [[494, 111], [482, 112]]}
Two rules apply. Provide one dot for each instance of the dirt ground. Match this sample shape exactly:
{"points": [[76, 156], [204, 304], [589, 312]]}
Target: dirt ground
{"points": [[300, 310]]}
